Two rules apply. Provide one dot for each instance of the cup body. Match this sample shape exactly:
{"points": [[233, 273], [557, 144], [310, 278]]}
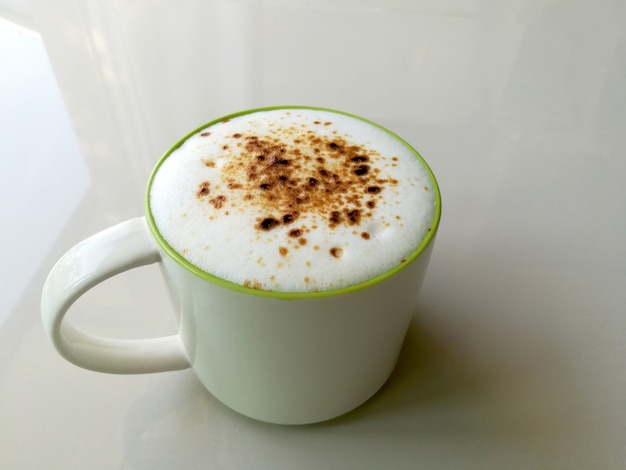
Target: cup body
{"points": [[294, 361], [280, 357]]}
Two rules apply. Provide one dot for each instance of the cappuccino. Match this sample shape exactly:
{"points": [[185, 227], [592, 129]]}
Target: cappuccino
{"points": [[293, 200]]}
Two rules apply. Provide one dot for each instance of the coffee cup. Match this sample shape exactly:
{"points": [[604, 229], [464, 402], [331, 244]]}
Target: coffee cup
{"points": [[293, 241]]}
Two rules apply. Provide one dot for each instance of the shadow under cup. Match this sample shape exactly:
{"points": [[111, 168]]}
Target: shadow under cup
{"points": [[287, 357]]}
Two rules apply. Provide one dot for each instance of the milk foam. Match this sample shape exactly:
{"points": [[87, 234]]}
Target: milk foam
{"points": [[293, 200]]}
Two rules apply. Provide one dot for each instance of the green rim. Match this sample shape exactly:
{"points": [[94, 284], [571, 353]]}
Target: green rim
{"points": [[289, 295]]}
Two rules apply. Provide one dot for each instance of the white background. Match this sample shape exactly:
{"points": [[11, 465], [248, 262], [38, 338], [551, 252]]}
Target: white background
{"points": [[515, 357]]}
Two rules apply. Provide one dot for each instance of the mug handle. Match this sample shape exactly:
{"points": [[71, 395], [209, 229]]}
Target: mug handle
{"points": [[95, 259]]}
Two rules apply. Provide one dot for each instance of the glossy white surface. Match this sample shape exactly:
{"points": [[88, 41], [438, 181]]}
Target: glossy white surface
{"points": [[515, 357]]}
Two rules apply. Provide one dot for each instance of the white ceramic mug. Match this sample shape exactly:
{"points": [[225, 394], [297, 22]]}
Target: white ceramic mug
{"points": [[288, 358]]}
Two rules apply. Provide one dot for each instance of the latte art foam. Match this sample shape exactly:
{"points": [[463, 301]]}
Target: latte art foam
{"points": [[293, 200]]}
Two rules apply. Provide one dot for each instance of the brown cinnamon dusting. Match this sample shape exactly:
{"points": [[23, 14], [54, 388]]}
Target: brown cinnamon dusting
{"points": [[268, 223], [218, 201], [290, 217], [361, 170], [295, 171], [354, 217], [203, 189], [252, 284]]}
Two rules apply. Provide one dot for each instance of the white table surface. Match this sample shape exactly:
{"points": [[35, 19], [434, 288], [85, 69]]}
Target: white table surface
{"points": [[516, 354]]}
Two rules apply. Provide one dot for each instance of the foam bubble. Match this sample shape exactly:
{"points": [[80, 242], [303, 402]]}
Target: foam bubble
{"points": [[323, 199]]}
